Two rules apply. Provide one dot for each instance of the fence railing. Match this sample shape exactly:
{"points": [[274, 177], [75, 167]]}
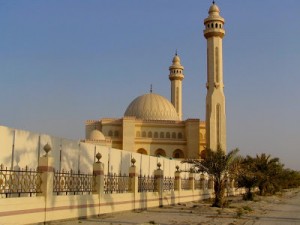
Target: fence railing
{"points": [[185, 184], [73, 183], [147, 184], [168, 184], [114, 183], [17, 183], [199, 184], [21, 182]]}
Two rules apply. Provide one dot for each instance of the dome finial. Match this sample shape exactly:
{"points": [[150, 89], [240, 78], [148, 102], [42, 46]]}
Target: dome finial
{"points": [[150, 88], [176, 52]]}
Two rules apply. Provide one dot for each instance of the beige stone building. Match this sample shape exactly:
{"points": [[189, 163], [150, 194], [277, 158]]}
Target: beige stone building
{"points": [[153, 125]]}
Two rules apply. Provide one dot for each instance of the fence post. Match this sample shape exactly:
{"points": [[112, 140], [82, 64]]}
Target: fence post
{"points": [[159, 178], [177, 183], [45, 166], [191, 180], [133, 176], [98, 172], [134, 183]]}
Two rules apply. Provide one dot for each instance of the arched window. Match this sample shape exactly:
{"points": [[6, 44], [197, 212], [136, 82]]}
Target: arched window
{"points": [[116, 133], [138, 134], [160, 152], [142, 151], [162, 135], [207, 25], [155, 135], [178, 154], [110, 133], [174, 135], [220, 26], [149, 134], [144, 134], [216, 25], [179, 135], [168, 135]]}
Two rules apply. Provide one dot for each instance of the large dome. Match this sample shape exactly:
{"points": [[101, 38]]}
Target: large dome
{"points": [[151, 107]]}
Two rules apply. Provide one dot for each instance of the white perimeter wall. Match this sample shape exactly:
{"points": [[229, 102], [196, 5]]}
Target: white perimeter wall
{"points": [[20, 148]]}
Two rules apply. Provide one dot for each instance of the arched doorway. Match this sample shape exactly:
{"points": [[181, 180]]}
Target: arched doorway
{"points": [[178, 154], [160, 152], [142, 151]]}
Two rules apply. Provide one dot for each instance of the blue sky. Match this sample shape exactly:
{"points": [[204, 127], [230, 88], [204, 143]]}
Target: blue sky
{"points": [[65, 61]]}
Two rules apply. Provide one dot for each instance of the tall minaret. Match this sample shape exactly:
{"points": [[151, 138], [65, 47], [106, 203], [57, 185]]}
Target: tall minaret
{"points": [[215, 98], [176, 76]]}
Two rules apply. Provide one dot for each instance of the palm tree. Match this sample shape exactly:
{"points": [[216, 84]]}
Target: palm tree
{"points": [[218, 164], [267, 171], [246, 176]]}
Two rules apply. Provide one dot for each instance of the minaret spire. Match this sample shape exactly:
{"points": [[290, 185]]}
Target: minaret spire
{"points": [[150, 88], [215, 98], [176, 76]]}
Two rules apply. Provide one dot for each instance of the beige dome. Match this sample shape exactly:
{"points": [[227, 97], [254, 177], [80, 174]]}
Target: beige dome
{"points": [[151, 107], [96, 135], [214, 9]]}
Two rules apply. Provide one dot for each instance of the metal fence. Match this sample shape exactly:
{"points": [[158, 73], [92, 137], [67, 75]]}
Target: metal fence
{"points": [[73, 183], [185, 183], [199, 184], [114, 183], [168, 184], [147, 184], [17, 183]]}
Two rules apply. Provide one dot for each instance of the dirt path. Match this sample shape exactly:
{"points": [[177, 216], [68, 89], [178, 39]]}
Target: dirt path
{"points": [[285, 211], [279, 209]]}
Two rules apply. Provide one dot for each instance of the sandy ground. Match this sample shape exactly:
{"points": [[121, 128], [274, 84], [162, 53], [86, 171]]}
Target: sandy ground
{"points": [[282, 208]]}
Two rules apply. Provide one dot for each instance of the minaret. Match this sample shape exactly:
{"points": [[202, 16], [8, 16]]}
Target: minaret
{"points": [[215, 98], [176, 76]]}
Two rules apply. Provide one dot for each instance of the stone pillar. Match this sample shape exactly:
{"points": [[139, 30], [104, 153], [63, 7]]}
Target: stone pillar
{"points": [[45, 166], [192, 180], [134, 184], [159, 178], [98, 172], [177, 183], [133, 176]]}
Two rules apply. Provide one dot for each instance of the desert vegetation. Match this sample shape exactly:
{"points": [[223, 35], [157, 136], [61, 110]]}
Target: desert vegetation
{"points": [[261, 174]]}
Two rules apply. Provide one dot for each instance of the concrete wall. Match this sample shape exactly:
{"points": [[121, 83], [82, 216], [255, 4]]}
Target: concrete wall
{"points": [[20, 148]]}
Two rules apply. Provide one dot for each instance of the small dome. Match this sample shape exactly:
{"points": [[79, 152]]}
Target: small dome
{"points": [[176, 59], [97, 136], [176, 63], [214, 9], [151, 107]]}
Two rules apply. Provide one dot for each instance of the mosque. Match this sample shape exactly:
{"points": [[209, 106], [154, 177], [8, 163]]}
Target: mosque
{"points": [[153, 125]]}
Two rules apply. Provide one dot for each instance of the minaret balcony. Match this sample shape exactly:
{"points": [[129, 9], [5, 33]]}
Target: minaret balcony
{"points": [[178, 76], [214, 32]]}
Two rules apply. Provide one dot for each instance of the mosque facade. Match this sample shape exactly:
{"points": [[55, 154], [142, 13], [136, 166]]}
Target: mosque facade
{"points": [[153, 125]]}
